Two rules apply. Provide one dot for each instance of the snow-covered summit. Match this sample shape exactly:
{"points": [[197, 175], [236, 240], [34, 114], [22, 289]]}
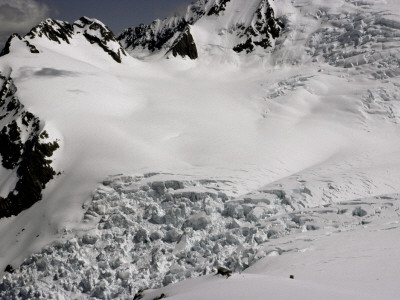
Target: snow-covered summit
{"points": [[237, 25], [56, 35], [97, 33], [54, 30]]}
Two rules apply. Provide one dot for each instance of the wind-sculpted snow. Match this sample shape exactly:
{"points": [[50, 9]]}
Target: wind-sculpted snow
{"points": [[144, 232]]}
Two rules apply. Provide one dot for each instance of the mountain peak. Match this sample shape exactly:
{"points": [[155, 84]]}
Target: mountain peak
{"points": [[89, 21], [60, 32], [97, 33], [54, 30], [244, 27]]}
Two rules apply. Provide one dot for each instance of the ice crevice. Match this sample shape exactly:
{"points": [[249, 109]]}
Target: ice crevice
{"points": [[151, 231]]}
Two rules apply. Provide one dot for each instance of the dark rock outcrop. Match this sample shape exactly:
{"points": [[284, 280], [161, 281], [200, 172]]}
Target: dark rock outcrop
{"points": [[154, 36], [266, 26], [218, 7], [95, 40], [9, 269], [173, 34], [24, 147], [56, 31], [7, 46], [185, 46], [62, 32], [90, 26], [224, 272], [31, 47]]}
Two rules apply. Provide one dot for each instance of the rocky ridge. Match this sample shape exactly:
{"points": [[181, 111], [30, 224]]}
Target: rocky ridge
{"points": [[97, 33], [7, 46], [163, 35], [94, 32], [25, 148]]}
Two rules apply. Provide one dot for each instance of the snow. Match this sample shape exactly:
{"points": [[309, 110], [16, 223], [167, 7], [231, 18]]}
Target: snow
{"points": [[148, 231], [219, 33], [348, 262], [8, 184], [309, 125]]}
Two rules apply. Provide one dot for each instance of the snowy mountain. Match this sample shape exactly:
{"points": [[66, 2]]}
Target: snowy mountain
{"points": [[222, 23], [25, 167], [258, 136], [83, 31]]}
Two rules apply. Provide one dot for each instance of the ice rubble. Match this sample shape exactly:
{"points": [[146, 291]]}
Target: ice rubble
{"points": [[150, 231], [357, 38]]}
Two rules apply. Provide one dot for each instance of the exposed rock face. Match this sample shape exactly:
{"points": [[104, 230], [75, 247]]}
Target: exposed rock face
{"points": [[185, 46], [31, 47], [7, 46], [264, 27], [217, 8], [56, 31], [154, 36], [24, 147], [173, 34], [92, 29], [60, 32]]}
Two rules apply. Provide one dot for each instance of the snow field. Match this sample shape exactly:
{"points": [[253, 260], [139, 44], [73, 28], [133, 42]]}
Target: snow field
{"points": [[294, 137]]}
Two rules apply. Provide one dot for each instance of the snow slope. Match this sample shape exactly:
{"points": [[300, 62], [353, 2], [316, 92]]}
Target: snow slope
{"points": [[311, 122]]}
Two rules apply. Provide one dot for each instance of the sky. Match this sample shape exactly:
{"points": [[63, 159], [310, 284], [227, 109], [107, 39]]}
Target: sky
{"points": [[19, 16]]}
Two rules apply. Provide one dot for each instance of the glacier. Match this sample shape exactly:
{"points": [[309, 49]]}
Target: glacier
{"points": [[278, 162]]}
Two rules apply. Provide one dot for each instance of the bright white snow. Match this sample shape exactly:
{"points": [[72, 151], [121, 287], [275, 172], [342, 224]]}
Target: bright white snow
{"points": [[311, 122]]}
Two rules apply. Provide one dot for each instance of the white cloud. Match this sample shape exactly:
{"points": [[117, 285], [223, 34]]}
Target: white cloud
{"points": [[19, 16], [180, 9]]}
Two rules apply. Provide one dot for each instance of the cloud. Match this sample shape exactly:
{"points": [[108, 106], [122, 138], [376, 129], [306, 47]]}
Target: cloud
{"points": [[19, 16], [176, 8], [180, 9]]}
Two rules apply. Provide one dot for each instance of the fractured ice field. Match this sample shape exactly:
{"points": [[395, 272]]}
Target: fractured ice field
{"points": [[144, 232]]}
